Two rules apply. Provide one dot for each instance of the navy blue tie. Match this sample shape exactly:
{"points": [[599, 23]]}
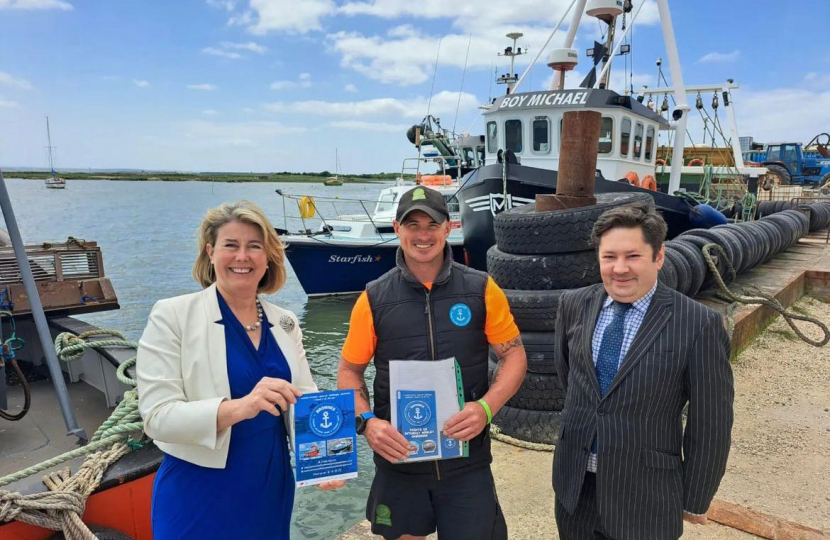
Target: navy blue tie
{"points": [[608, 357]]}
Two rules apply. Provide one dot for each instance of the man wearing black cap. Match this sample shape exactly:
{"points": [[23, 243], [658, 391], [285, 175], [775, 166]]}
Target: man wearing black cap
{"points": [[430, 308]]}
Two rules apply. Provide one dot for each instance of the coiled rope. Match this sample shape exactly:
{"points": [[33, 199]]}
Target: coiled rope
{"points": [[61, 508], [495, 433], [752, 295]]}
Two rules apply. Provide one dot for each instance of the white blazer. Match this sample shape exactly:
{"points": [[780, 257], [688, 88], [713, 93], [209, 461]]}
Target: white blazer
{"points": [[182, 374]]}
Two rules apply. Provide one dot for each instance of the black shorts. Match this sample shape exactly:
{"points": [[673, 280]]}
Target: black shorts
{"points": [[462, 507]]}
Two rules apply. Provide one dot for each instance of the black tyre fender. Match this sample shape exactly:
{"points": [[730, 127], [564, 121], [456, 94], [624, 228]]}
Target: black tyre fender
{"points": [[765, 208], [531, 426], [697, 264], [802, 220], [534, 311], [739, 252], [102, 533], [523, 230], [747, 250], [760, 238], [683, 269], [720, 239], [752, 250], [717, 257], [776, 238], [543, 272], [537, 392], [540, 348], [786, 228], [794, 217], [668, 274]]}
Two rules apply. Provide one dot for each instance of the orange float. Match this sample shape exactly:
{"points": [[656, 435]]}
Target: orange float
{"points": [[436, 180], [696, 162], [649, 183], [633, 178], [660, 162]]}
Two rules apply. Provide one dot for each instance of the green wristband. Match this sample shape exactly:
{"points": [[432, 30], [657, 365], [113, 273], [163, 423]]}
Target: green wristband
{"points": [[486, 410]]}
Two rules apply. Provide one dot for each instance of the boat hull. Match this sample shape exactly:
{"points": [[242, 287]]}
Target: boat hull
{"points": [[483, 196], [327, 267]]}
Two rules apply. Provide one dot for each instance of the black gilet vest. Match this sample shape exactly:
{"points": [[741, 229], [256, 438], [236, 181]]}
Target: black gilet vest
{"points": [[413, 323]]}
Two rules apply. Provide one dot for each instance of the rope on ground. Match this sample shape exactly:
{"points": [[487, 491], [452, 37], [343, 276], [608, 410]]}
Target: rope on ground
{"points": [[61, 508], [495, 433], [754, 295]]}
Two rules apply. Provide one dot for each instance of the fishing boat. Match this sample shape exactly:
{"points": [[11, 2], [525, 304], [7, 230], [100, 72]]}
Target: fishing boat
{"points": [[55, 405], [523, 133], [53, 181], [345, 251]]}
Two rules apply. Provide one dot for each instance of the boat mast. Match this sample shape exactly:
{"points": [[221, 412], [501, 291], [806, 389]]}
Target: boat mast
{"points": [[511, 77], [681, 105], [559, 77], [49, 139]]}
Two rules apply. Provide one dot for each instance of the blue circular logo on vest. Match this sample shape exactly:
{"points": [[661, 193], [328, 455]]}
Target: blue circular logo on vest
{"points": [[460, 314], [417, 413], [325, 420]]}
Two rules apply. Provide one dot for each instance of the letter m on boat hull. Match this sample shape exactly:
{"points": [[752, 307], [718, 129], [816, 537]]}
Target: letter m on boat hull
{"points": [[496, 202]]}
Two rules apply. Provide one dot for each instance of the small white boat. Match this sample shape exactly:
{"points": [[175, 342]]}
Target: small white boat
{"points": [[53, 181]]}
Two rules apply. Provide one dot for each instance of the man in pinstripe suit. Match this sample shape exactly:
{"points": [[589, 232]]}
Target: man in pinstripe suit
{"points": [[632, 354]]}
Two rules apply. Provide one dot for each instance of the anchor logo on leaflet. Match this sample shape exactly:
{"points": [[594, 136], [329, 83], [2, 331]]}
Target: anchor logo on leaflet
{"points": [[417, 413], [325, 420]]}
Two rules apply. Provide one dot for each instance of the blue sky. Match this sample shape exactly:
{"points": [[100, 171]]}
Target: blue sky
{"points": [[272, 85]]}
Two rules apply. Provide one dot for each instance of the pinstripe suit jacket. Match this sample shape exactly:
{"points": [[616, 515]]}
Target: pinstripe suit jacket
{"points": [[649, 467]]}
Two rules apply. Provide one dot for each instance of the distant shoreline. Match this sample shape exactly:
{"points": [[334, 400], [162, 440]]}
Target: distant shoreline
{"points": [[205, 177]]}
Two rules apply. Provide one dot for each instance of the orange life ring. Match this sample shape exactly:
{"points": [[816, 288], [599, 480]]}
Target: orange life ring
{"points": [[660, 162], [633, 178], [649, 183], [436, 180], [696, 162]]}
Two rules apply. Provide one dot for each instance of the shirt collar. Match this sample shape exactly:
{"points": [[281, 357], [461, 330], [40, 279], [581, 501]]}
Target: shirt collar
{"points": [[640, 305]]}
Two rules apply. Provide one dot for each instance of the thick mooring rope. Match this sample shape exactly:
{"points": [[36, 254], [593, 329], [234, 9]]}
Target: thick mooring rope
{"points": [[495, 433], [61, 508], [754, 295]]}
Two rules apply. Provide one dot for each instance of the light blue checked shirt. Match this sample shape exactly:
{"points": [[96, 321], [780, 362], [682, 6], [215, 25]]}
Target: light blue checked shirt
{"points": [[633, 319]]}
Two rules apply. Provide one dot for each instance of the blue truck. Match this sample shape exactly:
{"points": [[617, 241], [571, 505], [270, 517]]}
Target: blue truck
{"points": [[794, 163]]}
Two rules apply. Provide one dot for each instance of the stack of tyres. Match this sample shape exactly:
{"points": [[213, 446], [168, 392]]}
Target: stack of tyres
{"points": [[819, 211], [537, 256]]}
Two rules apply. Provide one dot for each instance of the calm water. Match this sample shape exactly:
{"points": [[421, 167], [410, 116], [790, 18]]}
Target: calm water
{"points": [[146, 231]]}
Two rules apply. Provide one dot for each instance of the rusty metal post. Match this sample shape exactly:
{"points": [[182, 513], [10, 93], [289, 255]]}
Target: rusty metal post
{"points": [[577, 163]]}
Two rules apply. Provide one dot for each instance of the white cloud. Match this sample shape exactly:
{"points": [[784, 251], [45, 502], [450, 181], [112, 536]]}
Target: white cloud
{"points": [[219, 52], [442, 103], [350, 88], [227, 5], [303, 81], [141, 84], [794, 114], [209, 112], [249, 46], [7, 104], [36, 4], [204, 86], [361, 125], [291, 16], [247, 134], [719, 57], [14, 82]]}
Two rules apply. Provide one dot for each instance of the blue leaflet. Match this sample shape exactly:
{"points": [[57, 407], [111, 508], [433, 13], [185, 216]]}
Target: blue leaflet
{"points": [[418, 423], [325, 442]]}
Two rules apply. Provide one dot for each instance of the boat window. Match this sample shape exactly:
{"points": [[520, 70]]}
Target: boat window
{"points": [[606, 135], [625, 137], [452, 204], [541, 135], [513, 135], [469, 156], [480, 151], [339, 228], [492, 137], [386, 203], [649, 142], [638, 140]]}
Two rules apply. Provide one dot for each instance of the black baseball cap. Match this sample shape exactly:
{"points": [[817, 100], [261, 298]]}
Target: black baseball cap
{"points": [[424, 199]]}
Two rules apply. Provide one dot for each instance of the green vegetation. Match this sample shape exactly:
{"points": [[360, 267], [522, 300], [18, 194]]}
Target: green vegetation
{"points": [[284, 176]]}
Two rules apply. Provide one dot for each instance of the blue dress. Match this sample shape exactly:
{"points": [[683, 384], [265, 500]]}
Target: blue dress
{"points": [[251, 498]]}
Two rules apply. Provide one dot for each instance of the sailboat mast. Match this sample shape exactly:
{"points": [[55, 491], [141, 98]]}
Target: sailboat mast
{"points": [[49, 139]]}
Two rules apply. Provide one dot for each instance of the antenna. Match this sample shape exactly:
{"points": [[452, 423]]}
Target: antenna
{"points": [[434, 73], [511, 77], [463, 74]]}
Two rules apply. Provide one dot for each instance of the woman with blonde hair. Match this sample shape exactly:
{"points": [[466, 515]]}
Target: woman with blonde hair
{"points": [[217, 372]]}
